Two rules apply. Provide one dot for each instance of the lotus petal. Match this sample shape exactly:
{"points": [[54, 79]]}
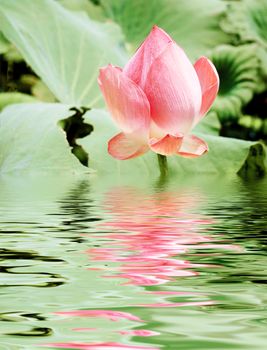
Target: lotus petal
{"points": [[209, 82], [174, 91], [138, 66], [123, 146], [193, 147], [125, 100], [167, 145]]}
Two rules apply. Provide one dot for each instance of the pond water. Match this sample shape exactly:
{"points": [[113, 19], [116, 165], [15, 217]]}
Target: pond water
{"points": [[92, 264]]}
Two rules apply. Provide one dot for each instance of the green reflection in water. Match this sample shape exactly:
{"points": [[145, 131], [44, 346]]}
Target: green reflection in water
{"points": [[173, 266]]}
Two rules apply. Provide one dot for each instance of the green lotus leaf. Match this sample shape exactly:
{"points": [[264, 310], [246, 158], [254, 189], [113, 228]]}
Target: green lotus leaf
{"points": [[4, 44], [40, 91], [64, 48], [33, 141], [238, 69], [226, 156], [85, 6], [8, 98], [247, 20], [193, 24], [210, 124]]}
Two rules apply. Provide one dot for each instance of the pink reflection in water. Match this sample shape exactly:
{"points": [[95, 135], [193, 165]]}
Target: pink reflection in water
{"points": [[149, 234], [139, 333], [111, 315], [187, 303], [97, 346], [170, 293], [134, 332]]}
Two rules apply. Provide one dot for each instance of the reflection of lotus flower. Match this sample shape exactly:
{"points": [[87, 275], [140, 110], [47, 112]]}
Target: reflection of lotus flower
{"points": [[111, 315], [99, 346], [157, 229], [158, 98], [148, 235]]}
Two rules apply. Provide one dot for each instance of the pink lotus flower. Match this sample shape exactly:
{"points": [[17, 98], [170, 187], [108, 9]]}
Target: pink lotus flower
{"points": [[158, 98]]}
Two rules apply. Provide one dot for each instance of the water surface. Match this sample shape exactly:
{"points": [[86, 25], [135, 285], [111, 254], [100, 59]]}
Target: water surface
{"points": [[92, 264]]}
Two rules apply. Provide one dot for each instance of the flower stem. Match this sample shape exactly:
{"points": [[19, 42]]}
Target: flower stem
{"points": [[163, 165]]}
